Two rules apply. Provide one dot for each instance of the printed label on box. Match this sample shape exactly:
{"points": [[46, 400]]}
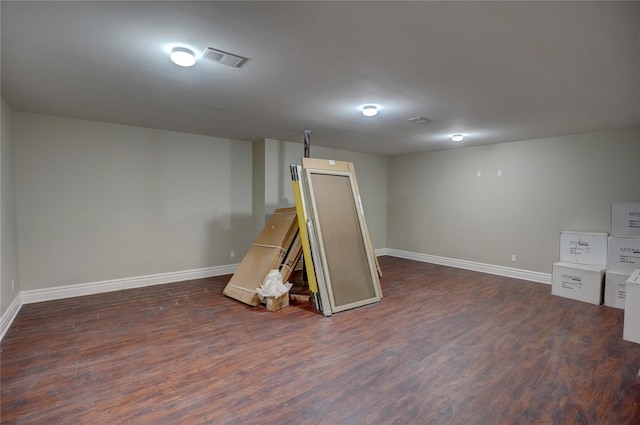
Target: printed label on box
{"points": [[571, 282], [579, 247], [633, 220], [583, 248]]}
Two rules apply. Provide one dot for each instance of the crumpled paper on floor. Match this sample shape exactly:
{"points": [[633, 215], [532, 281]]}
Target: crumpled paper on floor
{"points": [[272, 286]]}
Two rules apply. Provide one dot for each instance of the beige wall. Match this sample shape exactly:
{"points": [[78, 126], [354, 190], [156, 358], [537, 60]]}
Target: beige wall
{"points": [[8, 228], [438, 206], [99, 201]]}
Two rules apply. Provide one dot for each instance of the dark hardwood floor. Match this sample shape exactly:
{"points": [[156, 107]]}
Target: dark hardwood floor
{"points": [[444, 346]]}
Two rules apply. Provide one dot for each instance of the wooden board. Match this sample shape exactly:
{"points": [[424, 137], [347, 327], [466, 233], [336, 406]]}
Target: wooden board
{"points": [[301, 209], [267, 253], [251, 273], [291, 259], [348, 262], [280, 229]]}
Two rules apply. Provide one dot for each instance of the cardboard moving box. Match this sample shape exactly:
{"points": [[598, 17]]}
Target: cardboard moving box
{"points": [[578, 282], [625, 219], [615, 289], [623, 255], [588, 248], [276, 303], [267, 252]]}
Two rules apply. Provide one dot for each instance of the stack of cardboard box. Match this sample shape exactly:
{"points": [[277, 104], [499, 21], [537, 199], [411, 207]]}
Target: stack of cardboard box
{"points": [[276, 247], [623, 251], [579, 274]]}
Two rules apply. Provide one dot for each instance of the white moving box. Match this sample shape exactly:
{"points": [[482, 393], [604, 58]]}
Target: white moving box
{"points": [[578, 282], [583, 248], [623, 254], [615, 289], [631, 331], [625, 219]]}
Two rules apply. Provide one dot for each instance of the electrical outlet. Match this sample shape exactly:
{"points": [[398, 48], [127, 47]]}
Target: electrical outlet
{"points": [[513, 257], [499, 173], [13, 285], [232, 254], [478, 173]]}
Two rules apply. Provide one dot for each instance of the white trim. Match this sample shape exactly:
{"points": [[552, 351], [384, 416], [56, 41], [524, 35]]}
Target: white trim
{"points": [[60, 292], [90, 288], [78, 290], [381, 251], [9, 315], [471, 265]]}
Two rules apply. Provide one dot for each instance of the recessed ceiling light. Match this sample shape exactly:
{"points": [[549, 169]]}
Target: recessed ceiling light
{"points": [[457, 138], [370, 110], [183, 57]]}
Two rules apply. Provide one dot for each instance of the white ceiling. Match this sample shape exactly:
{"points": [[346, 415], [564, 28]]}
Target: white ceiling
{"points": [[495, 71]]}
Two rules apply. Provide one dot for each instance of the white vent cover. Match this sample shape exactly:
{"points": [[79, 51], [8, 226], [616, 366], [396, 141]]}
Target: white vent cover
{"points": [[420, 120], [224, 58]]}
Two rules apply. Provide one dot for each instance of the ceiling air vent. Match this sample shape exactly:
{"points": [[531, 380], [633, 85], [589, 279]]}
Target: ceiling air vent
{"points": [[420, 120], [224, 58]]}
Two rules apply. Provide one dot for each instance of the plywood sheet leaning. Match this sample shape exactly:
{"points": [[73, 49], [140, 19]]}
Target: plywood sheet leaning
{"points": [[267, 253], [348, 259]]}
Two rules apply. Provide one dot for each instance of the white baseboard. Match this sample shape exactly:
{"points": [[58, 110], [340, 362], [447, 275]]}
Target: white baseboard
{"points": [[90, 288], [470, 265], [381, 251], [9, 315], [77, 290], [68, 291]]}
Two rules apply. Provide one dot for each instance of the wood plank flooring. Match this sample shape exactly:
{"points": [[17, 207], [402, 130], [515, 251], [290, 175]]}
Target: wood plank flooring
{"points": [[444, 346]]}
